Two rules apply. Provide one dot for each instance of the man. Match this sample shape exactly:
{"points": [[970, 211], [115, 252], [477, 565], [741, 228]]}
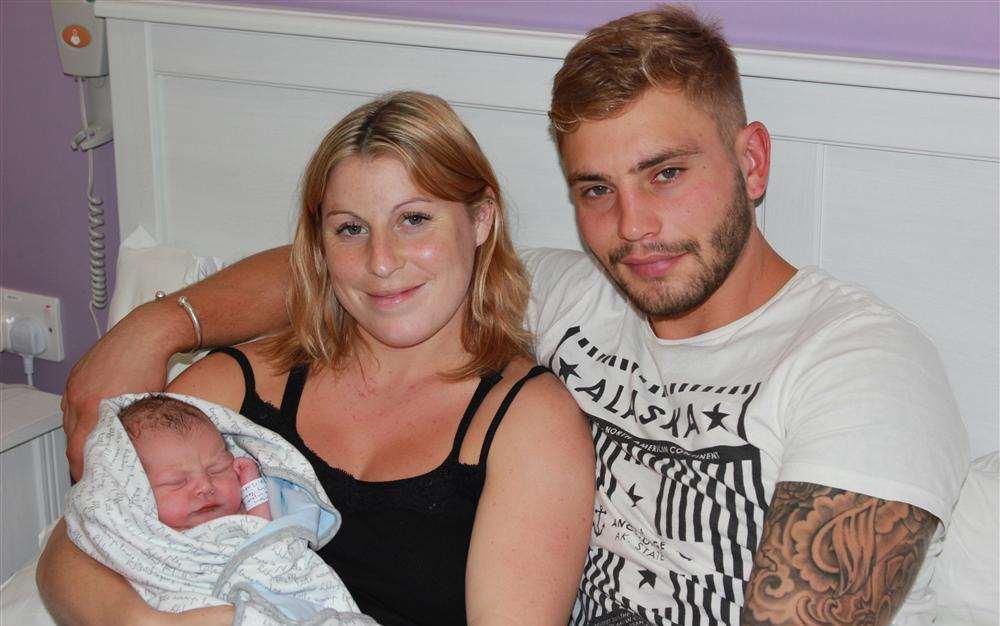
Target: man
{"points": [[774, 446], [746, 455]]}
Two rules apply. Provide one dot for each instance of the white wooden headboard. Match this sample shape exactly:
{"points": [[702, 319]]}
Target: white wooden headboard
{"points": [[884, 173]]}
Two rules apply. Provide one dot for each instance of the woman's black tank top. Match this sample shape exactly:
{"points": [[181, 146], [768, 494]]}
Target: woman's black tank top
{"points": [[403, 544]]}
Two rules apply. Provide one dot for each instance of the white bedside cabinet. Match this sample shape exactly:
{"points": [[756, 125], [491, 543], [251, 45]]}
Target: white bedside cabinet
{"points": [[34, 473]]}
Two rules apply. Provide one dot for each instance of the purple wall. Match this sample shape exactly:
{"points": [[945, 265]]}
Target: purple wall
{"points": [[950, 31], [43, 211], [43, 228]]}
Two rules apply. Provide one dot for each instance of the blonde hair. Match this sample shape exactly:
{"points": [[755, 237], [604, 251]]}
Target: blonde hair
{"points": [[442, 158], [668, 47]]}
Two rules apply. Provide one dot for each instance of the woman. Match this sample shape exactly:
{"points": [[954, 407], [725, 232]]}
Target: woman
{"points": [[404, 371]]}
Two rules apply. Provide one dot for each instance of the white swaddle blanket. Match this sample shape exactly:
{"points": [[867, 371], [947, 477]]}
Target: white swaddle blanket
{"points": [[266, 569]]}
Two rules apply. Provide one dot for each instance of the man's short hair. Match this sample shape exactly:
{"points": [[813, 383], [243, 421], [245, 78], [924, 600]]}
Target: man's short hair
{"points": [[161, 413], [668, 47]]}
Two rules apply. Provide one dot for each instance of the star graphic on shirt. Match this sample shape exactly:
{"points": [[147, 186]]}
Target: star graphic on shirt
{"points": [[648, 578], [567, 369], [716, 416], [633, 496]]}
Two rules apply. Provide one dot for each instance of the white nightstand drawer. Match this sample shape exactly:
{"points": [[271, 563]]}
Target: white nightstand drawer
{"points": [[34, 473]]}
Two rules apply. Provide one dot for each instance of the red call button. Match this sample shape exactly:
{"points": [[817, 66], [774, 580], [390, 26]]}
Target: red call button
{"points": [[76, 36]]}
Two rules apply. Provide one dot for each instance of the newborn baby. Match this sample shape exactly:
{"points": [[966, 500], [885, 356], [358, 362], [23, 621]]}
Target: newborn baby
{"points": [[195, 478], [159, 502]]}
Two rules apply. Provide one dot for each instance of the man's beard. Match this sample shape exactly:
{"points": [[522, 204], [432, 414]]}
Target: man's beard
{"points": [[663, 297]]}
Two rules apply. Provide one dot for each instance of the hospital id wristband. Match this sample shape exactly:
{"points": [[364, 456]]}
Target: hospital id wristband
{"points": [[254, 493]]}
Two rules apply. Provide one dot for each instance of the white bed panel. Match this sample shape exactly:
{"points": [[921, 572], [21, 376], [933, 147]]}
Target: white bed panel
{"points": [[537, 199], [457, 75], [254, 208], [889, 119], [789, 215], [132, 105], [218, 108], [197, 115], [921, 232]]}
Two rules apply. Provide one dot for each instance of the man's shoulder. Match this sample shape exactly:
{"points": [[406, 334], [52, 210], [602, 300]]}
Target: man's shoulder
{"points": [[828, 305], [865, 401], [834, 317]]}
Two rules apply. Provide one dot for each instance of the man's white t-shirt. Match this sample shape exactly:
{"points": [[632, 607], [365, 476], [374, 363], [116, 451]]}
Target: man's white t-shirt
{"points": [[822, 384]]}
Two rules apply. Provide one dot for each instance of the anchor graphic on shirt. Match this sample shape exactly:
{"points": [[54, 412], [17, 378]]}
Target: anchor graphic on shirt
{"points": [[598, 524]]}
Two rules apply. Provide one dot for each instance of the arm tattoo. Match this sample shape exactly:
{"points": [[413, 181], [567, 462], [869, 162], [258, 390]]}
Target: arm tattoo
{"points": [[829, 556]]}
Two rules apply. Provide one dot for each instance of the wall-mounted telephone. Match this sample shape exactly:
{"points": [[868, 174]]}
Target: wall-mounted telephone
{"points": [[83, 51], [80, 33]]}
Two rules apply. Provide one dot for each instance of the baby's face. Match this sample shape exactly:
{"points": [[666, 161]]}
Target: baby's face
{"points": [[192, 475]]}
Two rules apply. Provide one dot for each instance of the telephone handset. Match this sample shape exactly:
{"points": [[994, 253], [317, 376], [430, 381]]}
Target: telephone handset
{"points": [[83, 51], [82, 48]]}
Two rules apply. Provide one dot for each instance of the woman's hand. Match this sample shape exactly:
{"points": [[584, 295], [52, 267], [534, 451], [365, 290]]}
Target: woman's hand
{"points": [[131, 357]]}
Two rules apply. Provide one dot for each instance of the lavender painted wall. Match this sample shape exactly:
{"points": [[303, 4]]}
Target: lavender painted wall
{"points": [[962, 32], [43, 212], [43, 228]]}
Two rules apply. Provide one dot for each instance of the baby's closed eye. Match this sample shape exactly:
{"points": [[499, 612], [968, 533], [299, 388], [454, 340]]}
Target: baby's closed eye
{"points": [[175, 482], [220, 468]]}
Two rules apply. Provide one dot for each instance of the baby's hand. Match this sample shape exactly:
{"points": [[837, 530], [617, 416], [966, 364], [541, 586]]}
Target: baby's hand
{"points": [[247, 471]]}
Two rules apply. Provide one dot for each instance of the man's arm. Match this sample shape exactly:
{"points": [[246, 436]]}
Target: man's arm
{"points": [[242, 301], [829, 556]]}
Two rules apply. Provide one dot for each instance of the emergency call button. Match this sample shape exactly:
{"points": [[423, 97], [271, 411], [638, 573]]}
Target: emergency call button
{"points": [[76, 36]]}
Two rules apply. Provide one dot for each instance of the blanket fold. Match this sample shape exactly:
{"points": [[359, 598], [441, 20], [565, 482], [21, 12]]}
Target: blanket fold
{"points": [[269, 570]]}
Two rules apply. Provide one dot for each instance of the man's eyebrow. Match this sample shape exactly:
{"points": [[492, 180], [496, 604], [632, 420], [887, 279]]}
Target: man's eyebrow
{"points": [[585, 177], [666, 155]]}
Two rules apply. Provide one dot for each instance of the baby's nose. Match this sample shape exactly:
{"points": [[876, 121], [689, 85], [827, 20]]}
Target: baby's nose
{"points": [[203, 486]]}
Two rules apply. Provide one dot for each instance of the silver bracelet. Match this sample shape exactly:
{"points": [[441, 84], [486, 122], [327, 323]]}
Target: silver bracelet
{"points": [[186, 305], [183, 301]]}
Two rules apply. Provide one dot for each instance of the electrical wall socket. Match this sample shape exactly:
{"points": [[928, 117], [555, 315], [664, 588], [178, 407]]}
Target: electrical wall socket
{"points": [[43, 308]]}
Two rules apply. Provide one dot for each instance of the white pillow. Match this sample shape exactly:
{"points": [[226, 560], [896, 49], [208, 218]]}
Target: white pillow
{"points": [[20, 603], [19, 600], [145, 267], [967, 577]]}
